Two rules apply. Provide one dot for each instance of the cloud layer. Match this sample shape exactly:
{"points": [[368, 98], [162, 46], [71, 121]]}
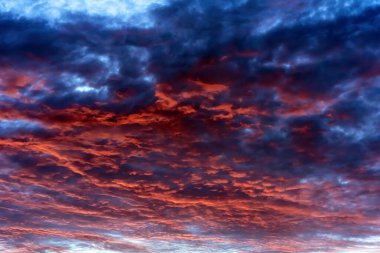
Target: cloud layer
{"points": [[189, 126]]}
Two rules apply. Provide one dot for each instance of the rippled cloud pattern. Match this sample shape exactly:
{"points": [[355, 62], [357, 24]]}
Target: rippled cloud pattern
{"points": [[143, 126]]}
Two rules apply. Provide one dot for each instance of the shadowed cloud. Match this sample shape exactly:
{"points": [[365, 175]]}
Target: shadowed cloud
{"points": [[190, 126]]}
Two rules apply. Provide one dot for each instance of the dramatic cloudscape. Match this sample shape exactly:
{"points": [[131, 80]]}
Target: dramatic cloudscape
{"points": [[205, 126]]}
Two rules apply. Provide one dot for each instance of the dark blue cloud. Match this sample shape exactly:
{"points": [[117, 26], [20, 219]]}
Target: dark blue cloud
{"points": [[218, 126]]}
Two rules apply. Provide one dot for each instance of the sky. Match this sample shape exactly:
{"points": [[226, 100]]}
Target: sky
{"points": [[205, 126]]}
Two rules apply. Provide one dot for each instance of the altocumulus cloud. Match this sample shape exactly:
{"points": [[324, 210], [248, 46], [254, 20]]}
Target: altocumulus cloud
{"points": [[189, 126]]}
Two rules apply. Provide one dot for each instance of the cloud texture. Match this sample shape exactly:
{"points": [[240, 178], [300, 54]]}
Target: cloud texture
{"points": [[189, 126]]}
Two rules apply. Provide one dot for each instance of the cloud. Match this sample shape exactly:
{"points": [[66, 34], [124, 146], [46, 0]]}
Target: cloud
{"points": [[206, 125], [117, 13]]}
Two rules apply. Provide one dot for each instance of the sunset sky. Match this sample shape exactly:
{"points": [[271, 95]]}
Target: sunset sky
{"points": [[190, 126]]}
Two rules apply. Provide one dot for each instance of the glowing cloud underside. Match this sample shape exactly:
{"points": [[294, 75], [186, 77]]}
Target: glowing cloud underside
{"points": [[189, 126]]}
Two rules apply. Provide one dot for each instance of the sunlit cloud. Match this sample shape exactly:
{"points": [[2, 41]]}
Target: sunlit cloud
{"points": [[189, 126]]}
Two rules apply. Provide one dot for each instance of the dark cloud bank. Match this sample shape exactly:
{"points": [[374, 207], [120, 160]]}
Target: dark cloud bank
{"points": [[209, 131]]}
